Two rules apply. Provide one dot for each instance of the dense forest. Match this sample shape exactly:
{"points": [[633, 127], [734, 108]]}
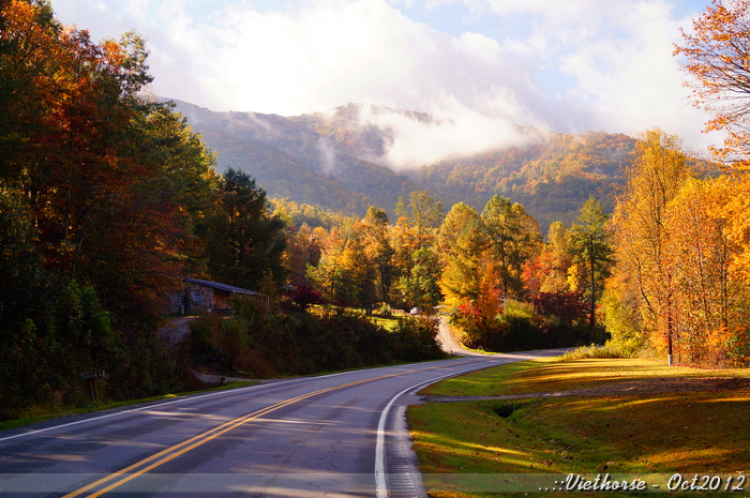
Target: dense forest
{"points": [[109, 199]]}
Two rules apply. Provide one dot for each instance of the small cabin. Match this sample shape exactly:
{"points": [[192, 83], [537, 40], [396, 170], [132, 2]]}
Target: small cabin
{"points": [[205, 296]]}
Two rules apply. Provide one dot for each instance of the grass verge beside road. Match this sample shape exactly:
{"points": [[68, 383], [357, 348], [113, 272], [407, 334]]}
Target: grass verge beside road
{"points": [[700, 431], [59, 413]]}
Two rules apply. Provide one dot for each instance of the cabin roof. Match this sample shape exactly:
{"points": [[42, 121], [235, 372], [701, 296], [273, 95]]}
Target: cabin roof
{"points": [[223, 287]]}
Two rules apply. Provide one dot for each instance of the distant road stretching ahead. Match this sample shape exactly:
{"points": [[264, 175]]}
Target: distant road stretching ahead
{"points": [[336, 435]]}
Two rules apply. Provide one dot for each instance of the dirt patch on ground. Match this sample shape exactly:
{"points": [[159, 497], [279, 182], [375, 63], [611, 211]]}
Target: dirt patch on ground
{"points": [[174, 330], [645, 388]]}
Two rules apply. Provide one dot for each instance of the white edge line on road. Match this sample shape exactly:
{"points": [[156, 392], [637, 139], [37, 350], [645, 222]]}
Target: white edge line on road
{"points": [[381, 486], [181, 400], [123, 412]]}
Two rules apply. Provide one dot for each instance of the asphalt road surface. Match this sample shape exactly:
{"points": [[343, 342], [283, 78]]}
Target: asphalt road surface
{"points": [[335, 435]]}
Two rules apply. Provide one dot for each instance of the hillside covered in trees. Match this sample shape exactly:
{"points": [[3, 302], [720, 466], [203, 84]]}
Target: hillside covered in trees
{"points": [[339, 161], [552, 177], [292, 160]]}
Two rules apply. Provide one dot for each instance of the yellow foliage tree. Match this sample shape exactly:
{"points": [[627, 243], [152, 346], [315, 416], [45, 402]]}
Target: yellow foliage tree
{"points": [[654, 179], [716, 53], [556, 256], [514, 238], [710, 301]]}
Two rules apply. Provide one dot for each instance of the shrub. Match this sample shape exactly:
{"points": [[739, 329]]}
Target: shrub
{"points": [[415, 339], [522, 326], [593, 352], [304, 296], [202, 330], [292, 341]]}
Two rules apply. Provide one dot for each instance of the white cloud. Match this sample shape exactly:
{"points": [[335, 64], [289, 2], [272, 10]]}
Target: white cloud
{"points": [[368, 52], [462, 131], [618, 53], [571, 66], [630, 80]]}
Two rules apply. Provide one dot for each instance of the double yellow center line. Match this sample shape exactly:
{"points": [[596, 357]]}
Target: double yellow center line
{"points": [[123, 476]]}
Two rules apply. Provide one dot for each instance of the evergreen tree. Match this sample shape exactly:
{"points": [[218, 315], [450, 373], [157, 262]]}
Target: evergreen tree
{"points": [[244, 241], [591, 252]]}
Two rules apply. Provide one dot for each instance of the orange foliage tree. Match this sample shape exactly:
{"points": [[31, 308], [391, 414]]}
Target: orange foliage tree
{"points": [[655, 178], [675, 286]]}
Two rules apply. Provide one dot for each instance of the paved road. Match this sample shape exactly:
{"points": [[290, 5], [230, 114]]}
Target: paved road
{"points": [[450, 344], [337, 435]]}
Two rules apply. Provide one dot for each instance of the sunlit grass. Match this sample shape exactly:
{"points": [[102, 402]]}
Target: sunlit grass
{"points": [[388, 323], [686, 432]]}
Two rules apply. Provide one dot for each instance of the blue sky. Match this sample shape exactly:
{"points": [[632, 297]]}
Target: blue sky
{"points": [[483, 65]]}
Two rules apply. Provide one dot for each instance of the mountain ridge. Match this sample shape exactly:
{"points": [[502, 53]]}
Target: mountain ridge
{"points": [[262, 143], [338, 161]]}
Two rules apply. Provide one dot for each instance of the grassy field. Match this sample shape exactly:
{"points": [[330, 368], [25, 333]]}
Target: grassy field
{"points": [[701, 431]]}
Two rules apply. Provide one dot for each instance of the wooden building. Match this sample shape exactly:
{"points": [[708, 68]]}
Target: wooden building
{"points": [[205, 296]]}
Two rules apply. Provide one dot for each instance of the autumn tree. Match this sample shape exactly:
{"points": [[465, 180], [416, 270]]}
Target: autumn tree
{"points": [[654, 179], [357, 278], [344, 275], [514, 238], [424, 214], [710, 301], [114, 183], [555, 260], [461, 242], [545, 275], [412, 240], [324, 276], [303, 250], [717, 54], [420, 288], [375, 230], [29, 47], [490, 295], [404, 243], [100, 191]]}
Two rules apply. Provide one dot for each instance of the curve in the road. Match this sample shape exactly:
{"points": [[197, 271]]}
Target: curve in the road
{"points": [[321, 436], [450, 344], [156, 460]]}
